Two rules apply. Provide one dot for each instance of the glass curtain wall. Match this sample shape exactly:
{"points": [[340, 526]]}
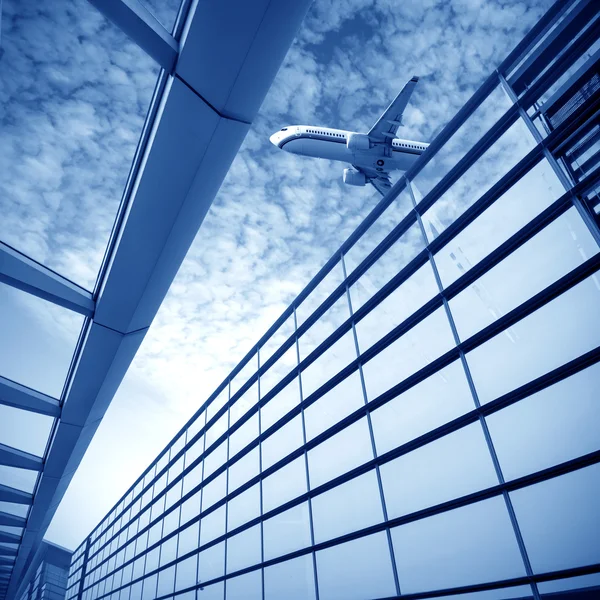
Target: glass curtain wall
{"points": [[422, 420]]}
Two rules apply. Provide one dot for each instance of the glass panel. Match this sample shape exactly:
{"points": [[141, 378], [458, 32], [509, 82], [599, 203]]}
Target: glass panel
{"points": [[247, 433], [244, 404], [341, 453], [214, 407], [244, 469], [418, 347], [188, 539], [276, 340], [337, 356], [534, 192], [282, 442], [559, 520], [214, 491], [20, 479], [24, 430], [212, 592], [506, 152], [186, 573], [43, 332], [468, 545], [387, 266], [556, 333], [165, 11], [190, 508], [379, 230], [521, 592], [553, 252], [482, 119], [212, 525], [323, 290], [285, 484], [281, 404], [572, 583], [68, 141], [244, 587], [215, 459], [243, 549], [550, 427], [429, 404], [244, 507], [355, 570], [349, 507], [292, 580], [166, 581], [216, 430], [244, 374], [211, 563], [286, 532], [279, 370], [343, 399], [448, 468], [324, 327]]}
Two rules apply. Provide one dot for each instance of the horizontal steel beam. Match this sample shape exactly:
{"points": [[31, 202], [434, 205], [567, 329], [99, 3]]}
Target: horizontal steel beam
{"points": [[22, 272], [9, 494], [12, 457], [8, 538], [19, 396], [5, 550]]}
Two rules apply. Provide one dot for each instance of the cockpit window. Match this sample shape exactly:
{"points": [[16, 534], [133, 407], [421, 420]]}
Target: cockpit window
{"points": [[284, 129]]}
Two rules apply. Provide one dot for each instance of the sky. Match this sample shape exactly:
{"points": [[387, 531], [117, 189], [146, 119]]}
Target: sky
{"points": [[74, 94]]}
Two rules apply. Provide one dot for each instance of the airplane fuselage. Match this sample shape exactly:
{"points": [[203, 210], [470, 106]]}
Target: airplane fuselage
{"points": [[324, 142]]}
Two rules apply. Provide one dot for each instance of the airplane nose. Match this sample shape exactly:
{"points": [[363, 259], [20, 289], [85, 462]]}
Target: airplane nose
{"points": [[275, 139]]}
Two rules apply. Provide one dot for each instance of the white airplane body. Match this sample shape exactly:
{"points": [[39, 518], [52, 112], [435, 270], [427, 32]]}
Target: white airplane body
{"points": [[373, 155]]}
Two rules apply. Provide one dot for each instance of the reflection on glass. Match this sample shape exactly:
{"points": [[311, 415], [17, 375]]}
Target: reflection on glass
{"points": [[554, 334], [559, 520], [212, 525], [240, 438], [243, 508], [43, 332], [185, 575], [276, 340], [280, 405], [528, 197], [244, 469], [355, 570], [387, 266], [20, 479], [572, 583], [24, 430], [349, 507], [281, 443], [323, 290], [418, 347], [553, 252], [337, 403], [333, 360], [278, 371], [504, 154], [166, 581], [453, 466], [468, 545], [244, 374], [211, 562], [68, 141], [286, 532], [519, 592], [427, 405], [285, 484], [292, 580], [344, 451], [555, 425], [482, 119], [379, 230], [243, 549], [244, 587]]}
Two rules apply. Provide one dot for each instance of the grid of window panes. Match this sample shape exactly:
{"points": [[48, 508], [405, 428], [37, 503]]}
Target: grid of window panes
{"points": [[73, 586], [422, 419]]}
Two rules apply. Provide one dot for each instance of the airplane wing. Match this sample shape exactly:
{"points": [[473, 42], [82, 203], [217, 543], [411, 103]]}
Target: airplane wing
{"points": [[387, 125], [380, 180]]}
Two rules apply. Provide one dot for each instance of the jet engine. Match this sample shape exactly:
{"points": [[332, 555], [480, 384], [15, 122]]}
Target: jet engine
{"points": [[352, 177], [358, 141]]}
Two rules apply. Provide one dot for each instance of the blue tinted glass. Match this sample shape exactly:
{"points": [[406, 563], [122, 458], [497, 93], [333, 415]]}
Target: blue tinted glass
{"points": [[550, 427], [215, 459], [212, 525], [292, 580], [165, 11], [244, 469], [281, 404], [168, 551], [336, 404], [185, 575], [429, 404], [278, 371], [323, 289], [453, 466], [572, 583], [244, 549], [243, 404], [468, 545], [286, 532], [349, 507], [243, 508], [211, 592], [244, 587], [347, 449], [415, 349], [520, 592], [214, 491], [336, 357], [356, 570], [211, 562], [244, 435], [554, 334], [285, 484], [282, 442], [190, 508], [560, 520], [149, 589], [166, 581], [276, 340]]}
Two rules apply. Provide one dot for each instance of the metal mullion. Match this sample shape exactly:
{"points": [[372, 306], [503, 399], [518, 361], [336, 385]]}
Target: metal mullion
{"points": [[372, 436], [304, 442], [226, 494], [481, 418], [84, 566], [260, 486], [181, 501]]}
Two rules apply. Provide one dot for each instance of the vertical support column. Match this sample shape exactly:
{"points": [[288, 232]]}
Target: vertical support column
{"points": [[482, 421], [260, 481], [371, 435], [84, 569], [226, 487]]}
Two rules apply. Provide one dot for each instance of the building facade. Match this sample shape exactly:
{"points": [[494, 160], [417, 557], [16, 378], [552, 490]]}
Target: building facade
{"points": [[46, 578], [422, 420]]}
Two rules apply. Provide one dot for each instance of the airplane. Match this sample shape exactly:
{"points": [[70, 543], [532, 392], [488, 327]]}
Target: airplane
{"points": [[373, 155]]}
